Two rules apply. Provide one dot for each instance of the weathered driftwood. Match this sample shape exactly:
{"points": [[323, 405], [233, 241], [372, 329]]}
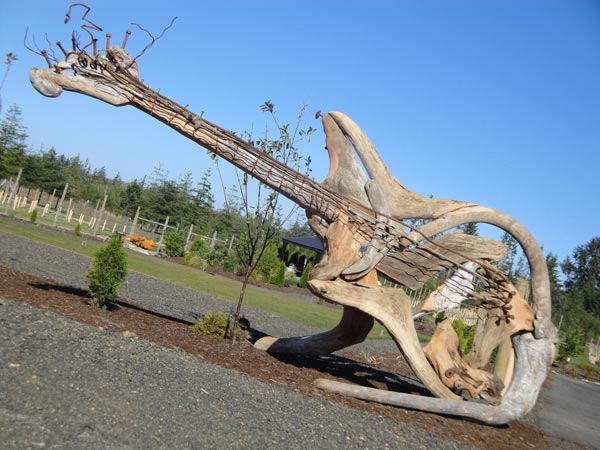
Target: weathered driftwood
{"points": [[532, 357], [359, 217], [443, 352], [495, 329]]}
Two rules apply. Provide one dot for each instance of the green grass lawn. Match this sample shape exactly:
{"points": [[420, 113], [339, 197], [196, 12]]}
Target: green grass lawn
{"points": [[48, 219], [271, 302]]}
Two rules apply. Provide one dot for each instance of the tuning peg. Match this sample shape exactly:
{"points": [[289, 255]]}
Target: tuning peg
{"points": [[127, 34]]}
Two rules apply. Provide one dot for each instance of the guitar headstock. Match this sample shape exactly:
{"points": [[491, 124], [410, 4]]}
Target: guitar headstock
{"points": [[102, 74]]}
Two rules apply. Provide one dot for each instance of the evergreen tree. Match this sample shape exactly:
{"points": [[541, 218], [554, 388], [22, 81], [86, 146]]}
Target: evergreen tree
{"points": [[582, 272], [106, 273], [12, 143], [45, 171], [556, 293], [470, 228], [204, 202], [131, 198], [299, 228]]}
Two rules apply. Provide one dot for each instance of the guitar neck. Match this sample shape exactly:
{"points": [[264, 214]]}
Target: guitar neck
{"points": [[299, 188]]}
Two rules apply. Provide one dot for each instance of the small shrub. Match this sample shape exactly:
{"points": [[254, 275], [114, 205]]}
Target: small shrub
{"points": [[269, 262], [254, 276], [77, 229], [290, 278], [213, 324], [570, 345], [279, 278], [589, 370], [173, 244], [33, 216], [199, 247], [215, 257], [188, 258], [195, 261], [304, 277], [230, 262], [107, 271]]}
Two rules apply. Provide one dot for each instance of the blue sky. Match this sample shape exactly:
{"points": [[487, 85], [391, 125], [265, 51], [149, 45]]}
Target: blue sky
{"points": [[493, 102]]}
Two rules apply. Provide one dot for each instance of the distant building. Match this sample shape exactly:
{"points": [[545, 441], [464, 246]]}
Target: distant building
{"points": [[299, 261]]}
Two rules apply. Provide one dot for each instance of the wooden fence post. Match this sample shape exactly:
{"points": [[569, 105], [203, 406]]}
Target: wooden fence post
{"points": [[162, 234], [135, 221], [187, 239], [60, 202], [15, 187], [97, 221], [213, 241]]}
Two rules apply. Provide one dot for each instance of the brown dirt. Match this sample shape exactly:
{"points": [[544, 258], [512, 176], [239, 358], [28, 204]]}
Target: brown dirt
{"points": [[293, 373]]}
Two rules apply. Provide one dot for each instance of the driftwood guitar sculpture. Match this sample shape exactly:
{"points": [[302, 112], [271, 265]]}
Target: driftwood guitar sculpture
{"points": [[360, 218]]}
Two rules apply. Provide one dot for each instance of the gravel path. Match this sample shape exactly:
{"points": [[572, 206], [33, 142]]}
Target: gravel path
{"points": [[68, 385]]}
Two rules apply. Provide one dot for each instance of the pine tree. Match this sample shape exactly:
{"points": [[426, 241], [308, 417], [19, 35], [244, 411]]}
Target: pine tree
{"points": [[12, 143], [107, 271]]}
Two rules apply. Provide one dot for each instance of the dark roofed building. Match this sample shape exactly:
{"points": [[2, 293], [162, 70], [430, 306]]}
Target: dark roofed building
{"points": [[308, 242]]}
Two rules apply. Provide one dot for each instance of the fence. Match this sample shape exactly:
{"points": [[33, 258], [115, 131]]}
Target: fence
{"points": [[213, 241], [53, 209]]}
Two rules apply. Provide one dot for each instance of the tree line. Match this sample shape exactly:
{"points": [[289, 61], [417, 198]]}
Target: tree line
{"points": [[576, 296]]}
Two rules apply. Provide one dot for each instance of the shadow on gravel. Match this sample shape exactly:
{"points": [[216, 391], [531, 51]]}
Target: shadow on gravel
{"points": [[153, 313], [71, 290], [354, 372], [57, 287]]}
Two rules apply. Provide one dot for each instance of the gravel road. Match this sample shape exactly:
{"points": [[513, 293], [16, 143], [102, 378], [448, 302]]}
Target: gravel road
{"points": [[68, 385]]}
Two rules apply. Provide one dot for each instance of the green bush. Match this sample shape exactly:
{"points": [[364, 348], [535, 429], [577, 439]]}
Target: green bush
{"points": [[77, 229], [173, 244], [33, 216], [279, 278], [254, 276], [107, 271], [269, 262], [213, 324], [215, 257], [570, 345], [290, 278], [304, 277], [191, 259], [199, 247], [589, 370], [231, 262]]}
